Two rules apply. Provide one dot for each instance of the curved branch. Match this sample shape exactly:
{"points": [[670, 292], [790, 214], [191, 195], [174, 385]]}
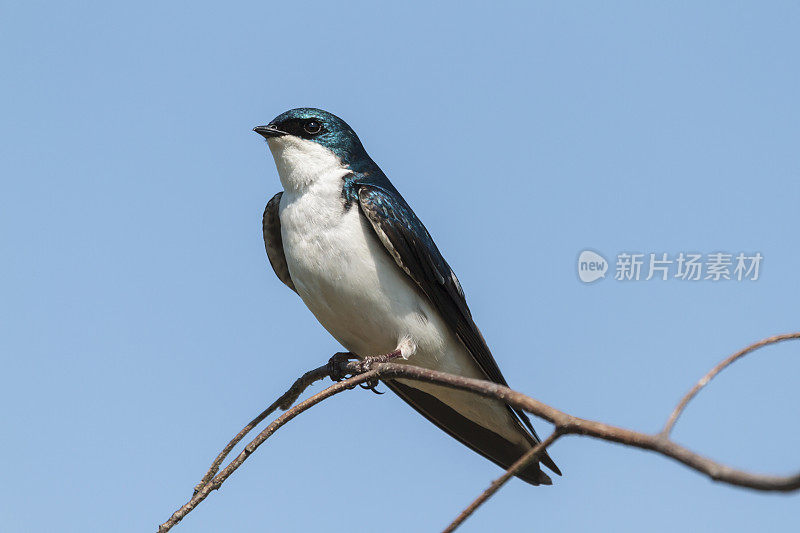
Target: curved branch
{"points": [[338, 366], [370, 369], [572, 425], [284, 402], [529, 456], [215, 483], [716, 370]]}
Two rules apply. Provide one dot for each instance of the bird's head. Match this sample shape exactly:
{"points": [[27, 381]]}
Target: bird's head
{"points": [[308, 142]]}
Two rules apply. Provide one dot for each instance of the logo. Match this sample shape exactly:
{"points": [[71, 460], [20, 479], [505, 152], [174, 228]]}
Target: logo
{"points": [[684, 266], [591, 266]]}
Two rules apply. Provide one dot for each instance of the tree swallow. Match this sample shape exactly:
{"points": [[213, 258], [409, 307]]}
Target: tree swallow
{"points": [[343, 238]]}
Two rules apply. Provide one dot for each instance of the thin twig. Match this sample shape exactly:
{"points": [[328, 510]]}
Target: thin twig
{"points": [[340, 367], [284, 402], [226, 472], [571, 425], [716, 370], [528, 457]]}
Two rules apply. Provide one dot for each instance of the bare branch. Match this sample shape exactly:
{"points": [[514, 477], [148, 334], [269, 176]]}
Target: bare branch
{"points": [[371, 369], [716, 370], [334, 369], [339, 365], [226, 472], [522, 462], [284, 402], [569, 424]]}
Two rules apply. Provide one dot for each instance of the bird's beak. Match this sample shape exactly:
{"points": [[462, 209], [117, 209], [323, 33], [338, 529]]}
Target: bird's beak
{"points": [[269, 131]]}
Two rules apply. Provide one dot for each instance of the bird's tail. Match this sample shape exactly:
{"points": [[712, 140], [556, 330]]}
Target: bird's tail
{"points": [[491, 445]]}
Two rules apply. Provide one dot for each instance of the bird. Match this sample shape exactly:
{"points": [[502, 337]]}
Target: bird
{"points": [[343, 238]]}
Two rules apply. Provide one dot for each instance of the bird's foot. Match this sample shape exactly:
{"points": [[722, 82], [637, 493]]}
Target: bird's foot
{"points": [[335, 365], [365, 365]]}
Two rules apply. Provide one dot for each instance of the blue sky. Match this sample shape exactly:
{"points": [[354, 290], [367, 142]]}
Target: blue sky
{"points": [[141, 325]]}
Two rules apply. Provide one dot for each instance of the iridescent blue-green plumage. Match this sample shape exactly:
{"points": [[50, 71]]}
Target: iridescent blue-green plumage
{"points": [[336, 134]]}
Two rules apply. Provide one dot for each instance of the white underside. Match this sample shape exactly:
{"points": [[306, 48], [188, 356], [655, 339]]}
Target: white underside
{"points": [[354, 288]]}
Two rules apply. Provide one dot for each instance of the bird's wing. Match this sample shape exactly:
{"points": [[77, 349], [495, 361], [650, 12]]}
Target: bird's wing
{"points": [[273, 242], [413, 249]]}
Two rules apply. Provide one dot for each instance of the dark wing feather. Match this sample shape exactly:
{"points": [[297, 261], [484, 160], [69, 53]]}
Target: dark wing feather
{"points": [[413, 249], [485, 442], [273, 242]]}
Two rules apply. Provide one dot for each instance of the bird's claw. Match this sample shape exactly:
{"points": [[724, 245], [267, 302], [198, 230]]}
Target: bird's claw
{"points": [[366, 365], [372, 385], [336, 374], [335, 365]]}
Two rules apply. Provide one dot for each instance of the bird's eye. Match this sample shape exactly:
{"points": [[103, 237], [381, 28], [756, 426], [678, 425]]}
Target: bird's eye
{"points": [[312, 127]]}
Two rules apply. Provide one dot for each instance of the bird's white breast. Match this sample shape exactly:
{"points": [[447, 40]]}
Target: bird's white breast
{"points": [[337, 264], [351, 284]]}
